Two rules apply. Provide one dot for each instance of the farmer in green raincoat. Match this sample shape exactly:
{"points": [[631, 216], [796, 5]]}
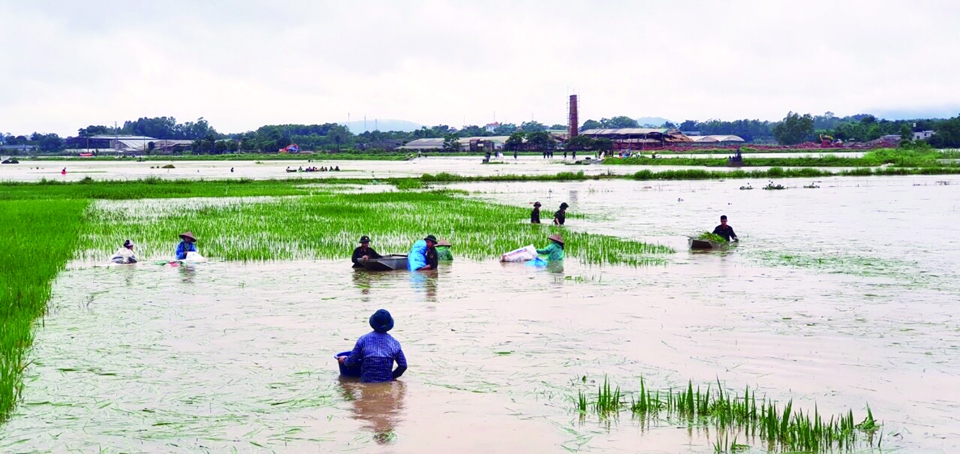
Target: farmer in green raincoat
{"points": [[443, 251], [554, 251]]}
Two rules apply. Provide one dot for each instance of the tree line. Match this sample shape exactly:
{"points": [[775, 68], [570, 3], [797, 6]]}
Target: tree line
{"points": [[794, 128]]}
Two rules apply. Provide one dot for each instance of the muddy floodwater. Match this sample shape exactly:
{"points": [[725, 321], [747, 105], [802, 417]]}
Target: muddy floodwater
{"points": [[840, 296], [129, 169]]}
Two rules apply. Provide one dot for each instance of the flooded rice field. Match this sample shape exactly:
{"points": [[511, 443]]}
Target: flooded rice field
{"points": [[837, 297], [78, 169]]}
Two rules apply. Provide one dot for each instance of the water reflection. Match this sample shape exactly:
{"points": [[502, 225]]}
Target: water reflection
{"points": [[378, 405], [187, 273], [555, 267], [361, 280], [425, 282]]}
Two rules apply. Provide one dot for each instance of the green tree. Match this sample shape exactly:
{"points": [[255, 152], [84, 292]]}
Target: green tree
{"points": [[532, 126], [540, 140], [580, 142], [505, 129], [94, 131], [906, 134], [473, 131], [619, 122], [451, 143], [339, 135], [794, 129], [591, 124], [946, 134], [515, 141]]}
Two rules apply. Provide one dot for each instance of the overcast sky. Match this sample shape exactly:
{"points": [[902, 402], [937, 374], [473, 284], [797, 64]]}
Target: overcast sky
{"points": [[242, 64]]}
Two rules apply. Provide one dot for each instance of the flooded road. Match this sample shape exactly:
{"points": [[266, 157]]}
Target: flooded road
{"points": [[841, 296]]}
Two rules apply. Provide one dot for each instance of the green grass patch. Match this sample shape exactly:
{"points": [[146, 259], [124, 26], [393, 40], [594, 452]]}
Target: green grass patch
{"points": [[803, 161], [898, 157], [151, 188], [39, 238], [779, 428]]}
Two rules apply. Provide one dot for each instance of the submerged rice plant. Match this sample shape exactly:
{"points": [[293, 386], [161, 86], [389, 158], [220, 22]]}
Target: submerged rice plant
{"points": [[327, 225], [780, 428]]}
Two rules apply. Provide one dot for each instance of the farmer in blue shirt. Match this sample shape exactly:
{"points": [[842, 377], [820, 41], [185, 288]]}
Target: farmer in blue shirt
{"points": [[188, 244], [377, 351]]}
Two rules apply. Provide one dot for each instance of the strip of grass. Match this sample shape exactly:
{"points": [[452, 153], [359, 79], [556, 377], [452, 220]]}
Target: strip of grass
{"points": [[805, 161], [38, 239], [899, 157], [160, 188], [785, 429], [327, 226]]}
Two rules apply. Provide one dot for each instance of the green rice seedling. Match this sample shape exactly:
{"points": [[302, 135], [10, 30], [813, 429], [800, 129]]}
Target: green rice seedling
{"points": [[325, 225], [39, 238], [783, 429], [708, 236], [608, 401], [582, 402]]}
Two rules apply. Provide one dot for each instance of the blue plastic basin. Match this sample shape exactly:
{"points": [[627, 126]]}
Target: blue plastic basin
{"points": [[353, 371]]}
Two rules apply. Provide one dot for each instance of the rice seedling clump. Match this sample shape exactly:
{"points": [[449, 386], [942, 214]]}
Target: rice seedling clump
{"points": [[779, 428]]}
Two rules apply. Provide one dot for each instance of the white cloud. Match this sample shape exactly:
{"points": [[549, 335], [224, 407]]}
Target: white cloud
{"points": [[244, 64]]}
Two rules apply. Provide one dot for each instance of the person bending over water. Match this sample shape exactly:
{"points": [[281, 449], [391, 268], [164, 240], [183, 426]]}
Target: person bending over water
{"points": [[554, 251], [443, 251], [125, 255], [376, 352], [187, 244]]}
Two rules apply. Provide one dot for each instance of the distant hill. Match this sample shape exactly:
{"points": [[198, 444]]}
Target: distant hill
{"points": [[912, 114], [653, 122], [356, 127]]}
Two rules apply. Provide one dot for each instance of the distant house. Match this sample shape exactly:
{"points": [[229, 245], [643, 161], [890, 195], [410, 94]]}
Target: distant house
{"points": [[476, 144], [922, 135], [169, 146], [491, 127], [107, 143]]}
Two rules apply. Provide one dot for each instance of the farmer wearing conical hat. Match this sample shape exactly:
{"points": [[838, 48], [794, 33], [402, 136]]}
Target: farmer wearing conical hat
{"points": [[188, 243], [443, 251], [535, 213], [554, 251]]}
